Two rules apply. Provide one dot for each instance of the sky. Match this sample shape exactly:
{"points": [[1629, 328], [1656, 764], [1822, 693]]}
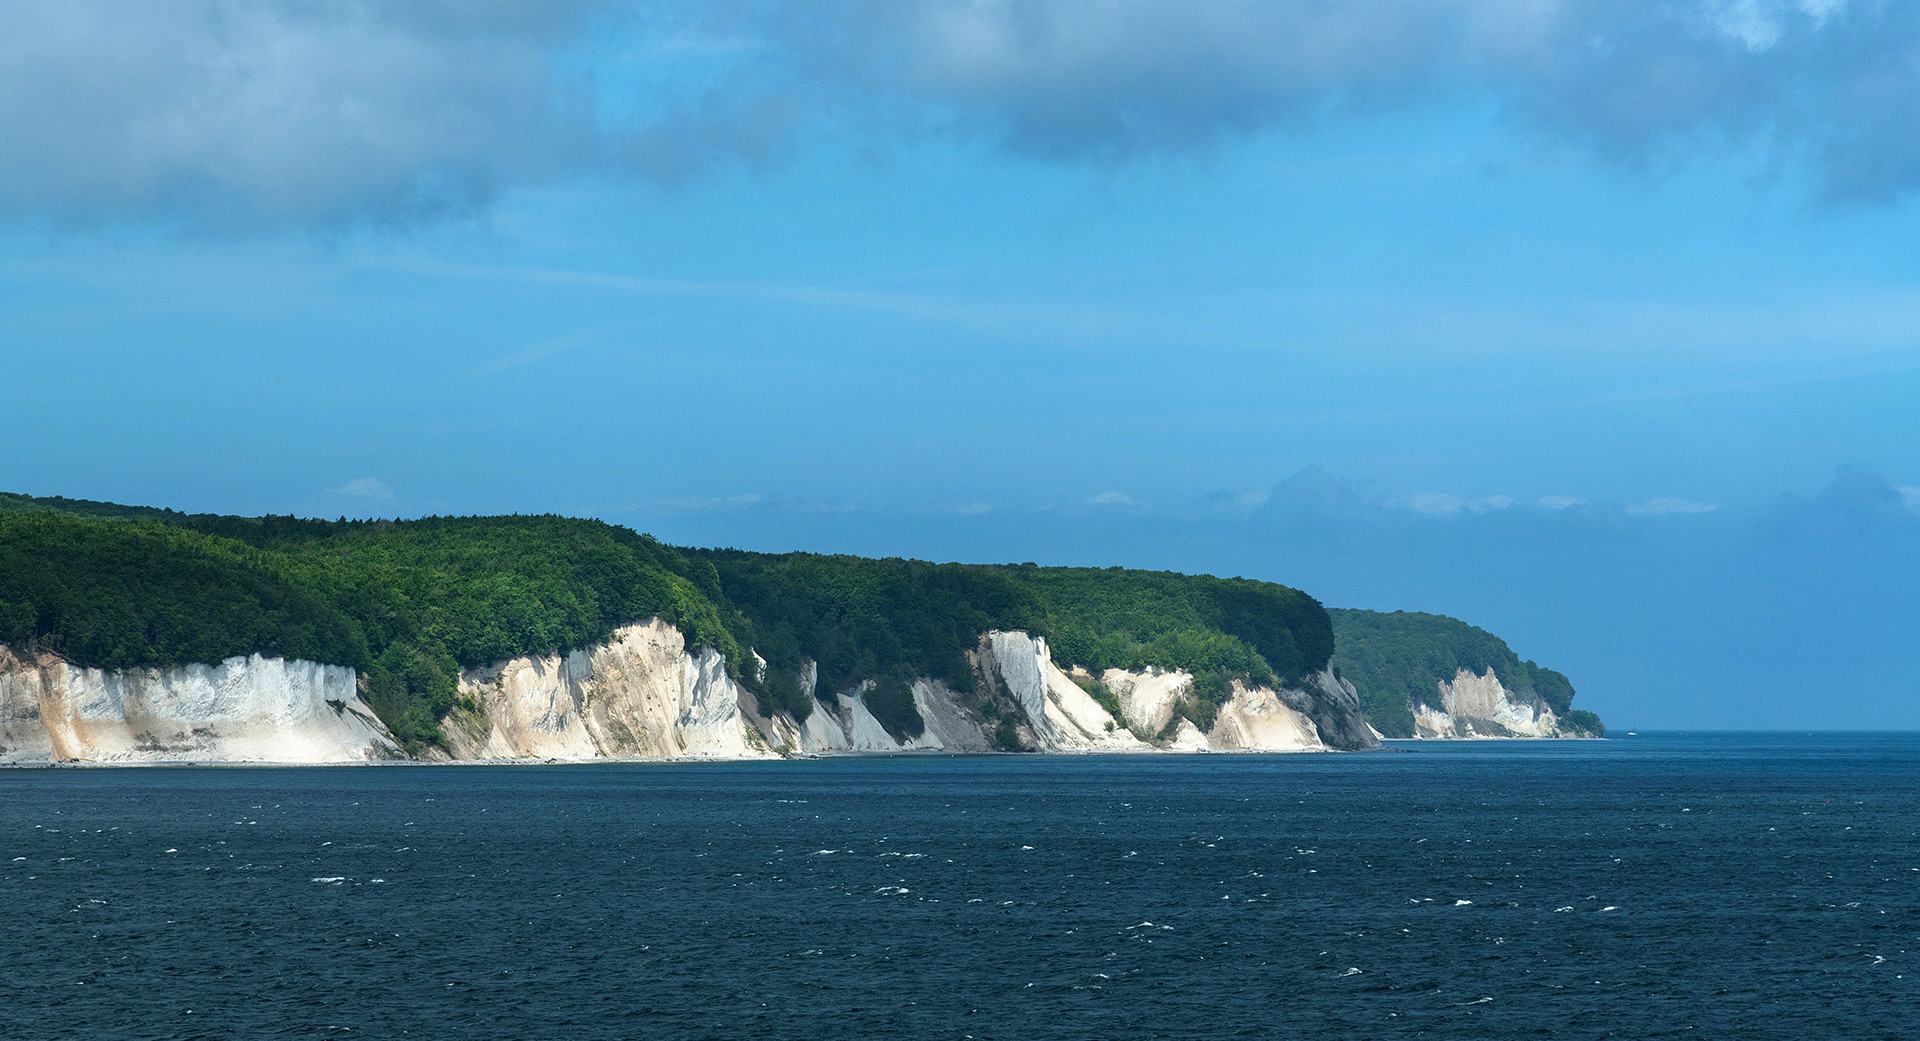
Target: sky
{"points": [[1595, 323]]}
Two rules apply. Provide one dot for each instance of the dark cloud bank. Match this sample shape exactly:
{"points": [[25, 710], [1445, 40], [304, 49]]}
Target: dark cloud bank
{"points": [[238, 114], [1800, 613]]}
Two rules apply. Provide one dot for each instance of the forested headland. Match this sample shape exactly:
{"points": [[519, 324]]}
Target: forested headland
{"points": [[410, 603], [1391, 657]]}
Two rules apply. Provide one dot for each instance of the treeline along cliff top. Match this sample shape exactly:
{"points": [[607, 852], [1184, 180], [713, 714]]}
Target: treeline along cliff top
{"points": [[410, 603]]}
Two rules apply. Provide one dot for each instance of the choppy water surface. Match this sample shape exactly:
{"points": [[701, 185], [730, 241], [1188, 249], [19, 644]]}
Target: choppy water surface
{"points": [[1674, 885]]}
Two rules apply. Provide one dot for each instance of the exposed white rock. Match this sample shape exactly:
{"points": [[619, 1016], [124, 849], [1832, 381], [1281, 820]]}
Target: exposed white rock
{"points": [[1253, 719], [845, 723], [245, 709], [642, 694], [1147, 696], [1481, 699], [1021, 662], [838, 723], [949, 725], [1061, 714], [1256, 719], [1188, 738], [864, 731]]}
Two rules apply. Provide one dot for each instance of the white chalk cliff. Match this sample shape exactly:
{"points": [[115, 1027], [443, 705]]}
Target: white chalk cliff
{"points": [[1063, 716], [1478, 705], [641, 694], [249, 709]]}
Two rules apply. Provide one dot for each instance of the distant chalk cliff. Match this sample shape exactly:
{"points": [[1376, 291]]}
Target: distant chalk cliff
{"points": [[139, 634], [1430, 676], [642, 694]]}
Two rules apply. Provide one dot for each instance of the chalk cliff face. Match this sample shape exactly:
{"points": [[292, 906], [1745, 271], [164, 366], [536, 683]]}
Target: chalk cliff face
{"points": [[642, 694], [243, 710], [1479, 706], [1062, 716]]}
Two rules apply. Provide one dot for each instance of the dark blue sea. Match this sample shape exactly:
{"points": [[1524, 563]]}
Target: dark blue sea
{"points": [[1714, 885]]}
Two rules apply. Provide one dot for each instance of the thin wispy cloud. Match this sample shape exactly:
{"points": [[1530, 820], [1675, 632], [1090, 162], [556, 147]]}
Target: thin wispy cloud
{"points": [[548, 348], [995, 317], [1666, 506], [695, 503], [363, 488]]}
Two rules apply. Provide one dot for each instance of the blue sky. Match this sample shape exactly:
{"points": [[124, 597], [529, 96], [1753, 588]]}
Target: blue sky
{"points": [[1595, 324]]}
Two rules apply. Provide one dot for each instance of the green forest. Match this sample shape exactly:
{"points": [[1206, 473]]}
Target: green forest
{"points": [[891, 620], [406, 603], [411, 603], [1391, 657]]}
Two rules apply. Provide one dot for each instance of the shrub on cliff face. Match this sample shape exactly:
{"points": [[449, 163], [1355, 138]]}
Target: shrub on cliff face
{"points": [[1006, 738], [1389, 710], [891, 702], [1101, 694], [779, 691]]}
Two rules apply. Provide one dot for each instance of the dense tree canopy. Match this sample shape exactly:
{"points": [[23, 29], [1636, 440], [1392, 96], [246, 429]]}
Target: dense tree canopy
{"points": [[892, 620], [411, 603], [1392, 658], [408, 604]]}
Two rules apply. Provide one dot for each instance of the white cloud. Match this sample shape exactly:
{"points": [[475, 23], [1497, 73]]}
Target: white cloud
{"points": [[701, 502], [974, 509], [1434, 502], [1111, 499], [364, 488], [1910, 497], [1560, 502], [277, 112], [1442, 503], [1666, 506], [1755, 23]]}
